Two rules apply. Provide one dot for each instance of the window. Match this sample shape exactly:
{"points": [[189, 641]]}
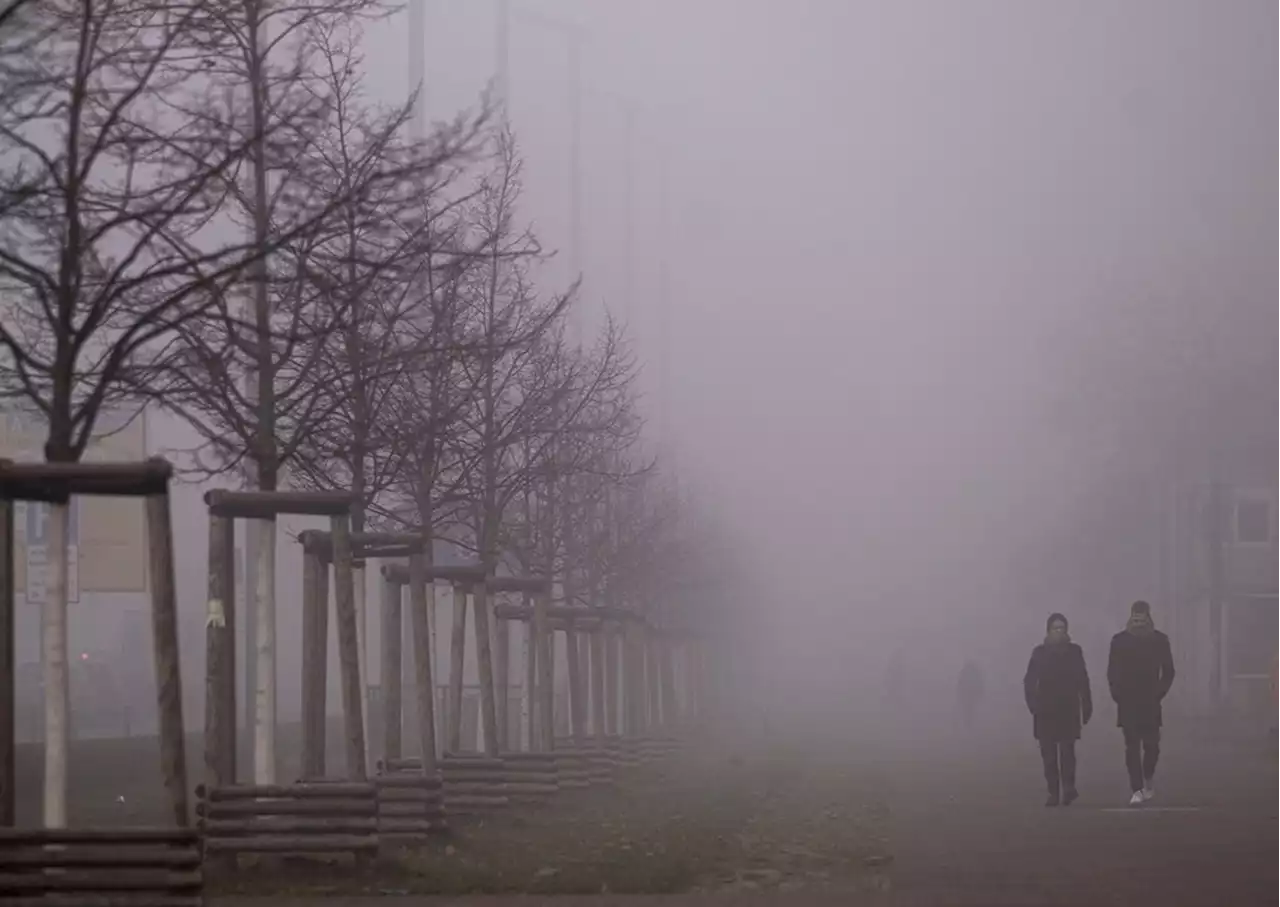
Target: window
{"points": [[1253, 521]]}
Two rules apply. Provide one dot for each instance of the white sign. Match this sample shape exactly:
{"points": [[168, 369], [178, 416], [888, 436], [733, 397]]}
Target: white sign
{"points": [[108, 550], [36, 522]]}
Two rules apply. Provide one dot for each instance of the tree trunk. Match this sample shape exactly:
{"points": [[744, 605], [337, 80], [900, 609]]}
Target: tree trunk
{"points": [[457, 661], [57, 687]]}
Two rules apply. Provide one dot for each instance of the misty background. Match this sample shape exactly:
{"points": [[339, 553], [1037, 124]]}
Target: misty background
{"points": [[936, 300]]}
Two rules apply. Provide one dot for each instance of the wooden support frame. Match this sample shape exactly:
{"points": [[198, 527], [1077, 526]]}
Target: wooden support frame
{"points": [[394, 581], [599, 628], [57, 483], [224, 507], [317, 559], [471, 582]]}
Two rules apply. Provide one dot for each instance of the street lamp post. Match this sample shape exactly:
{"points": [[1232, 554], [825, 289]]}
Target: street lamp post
{"points": [[574, 37]]}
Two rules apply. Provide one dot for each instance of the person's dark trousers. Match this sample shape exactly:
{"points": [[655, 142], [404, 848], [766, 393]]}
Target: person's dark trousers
{"points": [[1141, 753], [1059, 764]]}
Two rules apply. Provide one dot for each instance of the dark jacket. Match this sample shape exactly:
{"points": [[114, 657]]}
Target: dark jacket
{"points": [[1140, 673], [1057, 690]]}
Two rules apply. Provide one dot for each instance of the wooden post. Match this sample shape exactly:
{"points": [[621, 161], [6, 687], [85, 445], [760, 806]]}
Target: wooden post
{"points": [[231, 617], [577, 712], [219, 758], [344, 592], [531, 681], [612, 724], [422, 654], [315, 657], [633, 688], [597, 643], [392, 655], [652, 684], [584, 672], [164, 630], [484, 666], [546, 673], [502, 680], [666, 673], [697, 692], [457, 659], [8, 748]]}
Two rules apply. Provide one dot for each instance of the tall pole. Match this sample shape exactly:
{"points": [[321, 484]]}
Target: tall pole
{"points": [[664, 304], [575, 153], [628, 202], [573, 36], [418, 66], [502, 59]]}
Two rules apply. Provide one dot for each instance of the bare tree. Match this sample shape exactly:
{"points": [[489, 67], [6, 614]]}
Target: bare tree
{"points": [[116, 164], [263, 386]]}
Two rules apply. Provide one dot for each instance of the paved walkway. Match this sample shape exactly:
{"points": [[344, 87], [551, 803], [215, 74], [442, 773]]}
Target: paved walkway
{"points": [[973, 831]]}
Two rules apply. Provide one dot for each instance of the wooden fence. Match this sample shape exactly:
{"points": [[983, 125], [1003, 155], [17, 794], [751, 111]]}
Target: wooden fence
{"points": [[322, 817], [410, 805], [122, 867]]}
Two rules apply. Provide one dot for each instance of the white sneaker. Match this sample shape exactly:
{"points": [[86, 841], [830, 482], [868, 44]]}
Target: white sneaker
{"points": [[1137, 799], [1148, 792]]}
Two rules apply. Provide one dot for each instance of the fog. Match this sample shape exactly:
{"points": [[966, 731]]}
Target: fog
{"points": [[936, 302], [954, 291]]}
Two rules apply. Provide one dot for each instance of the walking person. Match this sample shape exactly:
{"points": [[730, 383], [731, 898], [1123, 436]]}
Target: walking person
{"points": [[1140, 673], [1057, 692], [970, 688]]}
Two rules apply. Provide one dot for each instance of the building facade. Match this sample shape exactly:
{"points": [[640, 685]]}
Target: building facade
{"points": [[1219, 571]]}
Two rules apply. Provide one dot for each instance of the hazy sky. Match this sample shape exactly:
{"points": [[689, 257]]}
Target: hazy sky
{"points": [[938, 270]]}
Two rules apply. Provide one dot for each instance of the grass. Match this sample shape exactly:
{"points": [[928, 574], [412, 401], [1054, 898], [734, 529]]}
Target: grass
{"points": [[709, 820]]}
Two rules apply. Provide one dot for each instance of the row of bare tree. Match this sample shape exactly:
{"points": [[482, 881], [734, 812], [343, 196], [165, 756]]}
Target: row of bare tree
{"points": [[202, 210]]}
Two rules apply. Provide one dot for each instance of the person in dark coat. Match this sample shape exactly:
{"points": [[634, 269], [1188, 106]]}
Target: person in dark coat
{"points": [[1140, 673], [1057, 691]]}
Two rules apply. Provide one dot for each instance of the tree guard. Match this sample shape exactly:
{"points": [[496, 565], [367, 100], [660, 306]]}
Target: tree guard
{"points": [[224, 508], [317, 558], [57, 483]]}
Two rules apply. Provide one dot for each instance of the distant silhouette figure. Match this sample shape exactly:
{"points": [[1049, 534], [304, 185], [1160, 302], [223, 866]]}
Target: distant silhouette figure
{"points": [[970, 688]]}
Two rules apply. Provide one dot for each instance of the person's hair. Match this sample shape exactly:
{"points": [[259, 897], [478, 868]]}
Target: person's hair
{"points": [[1141, 607], [1055, 617]]}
